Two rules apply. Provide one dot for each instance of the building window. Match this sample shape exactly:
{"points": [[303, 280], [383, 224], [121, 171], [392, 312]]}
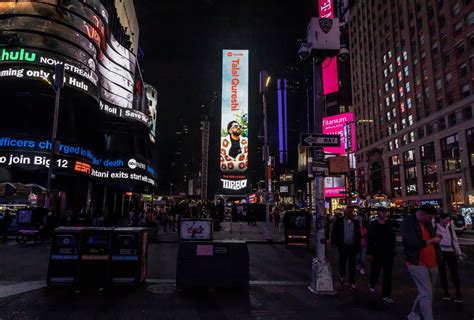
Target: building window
{"points": [[387, 101], [395, 176], [455, 9], [446, 58], [406, 71], [429, 129], [427, 93], [405, 55], [409, 105], [399, 61], [404, 123], [470, 19], [407, 87], [458, 28], [389, 116], [462, 70], [465, 91], [384, 58], [430, 177], [449, 78], [410, 120], [412, 136], [441, 21], [441, 124], [400, 91], [394, 112], [386, 87], [392, 83], [439, 84], [393, 97], [460, 49], [385, 73], [390, 67], [467, 113], [450, 153], [421, 133], [452, 119]]}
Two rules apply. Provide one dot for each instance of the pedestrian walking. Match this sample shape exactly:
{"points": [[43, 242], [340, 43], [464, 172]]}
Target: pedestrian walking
{"points": [[360, 260], [346, 236], [420, 245], [381, 253], [451, 251]]}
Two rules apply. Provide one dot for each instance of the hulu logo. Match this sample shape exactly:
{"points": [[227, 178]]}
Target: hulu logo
{"points": [[21, 55]]}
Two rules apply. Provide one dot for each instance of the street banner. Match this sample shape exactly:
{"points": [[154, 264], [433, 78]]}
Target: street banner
{"points": [[234, 147]]}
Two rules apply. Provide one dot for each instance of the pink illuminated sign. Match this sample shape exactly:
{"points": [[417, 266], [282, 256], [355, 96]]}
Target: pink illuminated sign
{"points": [[326, 9], [330, 77], [334, 187], [335, 125]]}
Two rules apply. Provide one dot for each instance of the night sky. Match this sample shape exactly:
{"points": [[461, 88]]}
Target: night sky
{"points": [[183, 41]]}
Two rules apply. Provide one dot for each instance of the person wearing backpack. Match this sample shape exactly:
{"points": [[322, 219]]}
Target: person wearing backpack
{"points": [[450, 251]]}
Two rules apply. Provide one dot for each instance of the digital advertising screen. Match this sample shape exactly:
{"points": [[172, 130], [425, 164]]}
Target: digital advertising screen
{"points": [[337, 124], [40, 34], [190, 229], [234, 138]]}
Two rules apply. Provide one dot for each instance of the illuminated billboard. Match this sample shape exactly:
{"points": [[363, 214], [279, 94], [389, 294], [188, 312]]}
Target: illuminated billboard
{"points": [[336, 125], [76, 35], [329, 66], [234, 147]]}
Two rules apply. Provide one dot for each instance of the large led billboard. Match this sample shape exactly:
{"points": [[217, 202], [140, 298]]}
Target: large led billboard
{"points": [[336, 125], [234, 147], [76, 34]]}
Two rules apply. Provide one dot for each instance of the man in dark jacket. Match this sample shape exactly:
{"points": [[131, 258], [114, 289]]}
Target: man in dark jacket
{"points": [[381, 250], [421, 249], [346, 236]]}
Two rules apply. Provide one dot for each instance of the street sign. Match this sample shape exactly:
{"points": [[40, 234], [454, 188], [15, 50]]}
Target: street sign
{"points": [[320, 140], [321, 170]]}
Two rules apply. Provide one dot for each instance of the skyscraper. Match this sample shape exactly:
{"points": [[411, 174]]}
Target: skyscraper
{"points": [[412, 64]]}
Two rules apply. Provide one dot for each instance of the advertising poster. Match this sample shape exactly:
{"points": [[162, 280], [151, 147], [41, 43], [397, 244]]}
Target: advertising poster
{"points": [[336, 125], [195, 229], [234, 147]]}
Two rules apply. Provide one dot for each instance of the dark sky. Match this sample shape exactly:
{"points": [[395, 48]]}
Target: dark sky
{"points": [[183, 43]]}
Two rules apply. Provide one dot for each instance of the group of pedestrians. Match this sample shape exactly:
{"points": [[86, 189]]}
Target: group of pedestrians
{"points": [[430, 248]]}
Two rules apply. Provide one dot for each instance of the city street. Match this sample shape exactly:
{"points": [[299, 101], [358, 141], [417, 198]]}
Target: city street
{"points": [[278, 290]]}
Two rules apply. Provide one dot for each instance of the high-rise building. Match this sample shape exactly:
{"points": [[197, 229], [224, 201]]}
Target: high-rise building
{"points": [[412, 65], [103, 151]]}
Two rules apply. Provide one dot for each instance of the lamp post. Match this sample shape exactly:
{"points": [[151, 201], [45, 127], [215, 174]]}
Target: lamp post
{"points": [[320, 44], [264, 82], [57, 85]]}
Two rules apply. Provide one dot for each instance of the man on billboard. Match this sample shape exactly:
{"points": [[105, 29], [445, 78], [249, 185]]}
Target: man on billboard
{"points": [[234, 149]]}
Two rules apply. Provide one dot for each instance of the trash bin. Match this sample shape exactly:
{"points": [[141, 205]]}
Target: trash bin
{"points": [[94, 256], [129, 248], [64, 256], [216, 264]]}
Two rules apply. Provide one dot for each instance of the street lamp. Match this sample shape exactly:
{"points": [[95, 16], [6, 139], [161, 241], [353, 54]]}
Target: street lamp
{"points": [[323, 40], [264, 82], [56, 85]]}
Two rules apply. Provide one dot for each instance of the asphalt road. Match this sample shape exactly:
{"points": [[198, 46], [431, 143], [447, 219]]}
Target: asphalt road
{"points": [[278, 276]]}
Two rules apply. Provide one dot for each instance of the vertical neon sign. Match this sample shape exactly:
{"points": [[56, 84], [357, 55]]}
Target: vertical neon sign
{"points": [[329, 66]]}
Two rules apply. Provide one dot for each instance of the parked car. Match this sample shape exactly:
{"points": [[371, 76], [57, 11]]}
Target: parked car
{"points": [[459, 223]]}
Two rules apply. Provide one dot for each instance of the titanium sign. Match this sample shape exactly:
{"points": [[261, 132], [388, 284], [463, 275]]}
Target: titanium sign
{"points": [[337, 125], [234, 124]]}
